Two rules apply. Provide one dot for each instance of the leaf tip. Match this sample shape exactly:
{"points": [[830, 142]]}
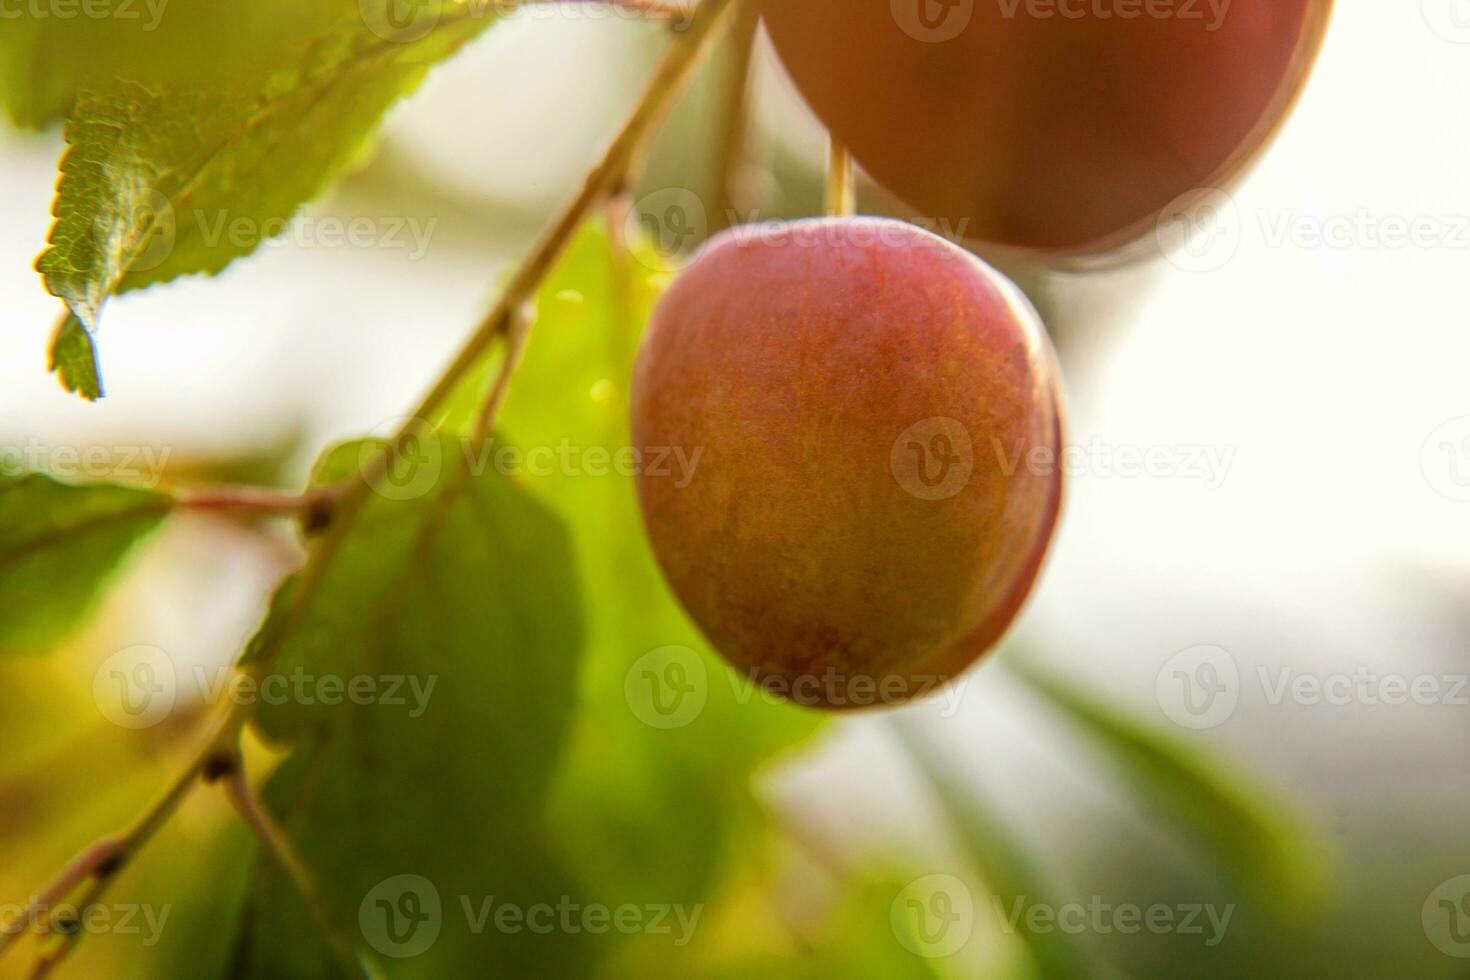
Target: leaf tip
{"points": [[74, 361]]}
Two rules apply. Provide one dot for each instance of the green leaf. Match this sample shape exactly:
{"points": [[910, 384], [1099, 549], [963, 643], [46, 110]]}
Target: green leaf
{"points": [[652, 807], [466, 583], [160, 181], [46, 60], [74, 360], [58, 545], [1008, 871], [1265, 849]]}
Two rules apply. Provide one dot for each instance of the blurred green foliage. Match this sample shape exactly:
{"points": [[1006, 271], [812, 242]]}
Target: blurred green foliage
{"points": [[58, 545]]}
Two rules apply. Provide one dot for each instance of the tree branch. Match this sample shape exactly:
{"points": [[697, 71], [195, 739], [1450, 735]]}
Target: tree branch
{"points": [[275, 842], [102, 862], [218, 757]]}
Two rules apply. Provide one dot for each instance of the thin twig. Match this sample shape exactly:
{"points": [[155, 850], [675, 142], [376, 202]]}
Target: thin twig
{"points": [[841, 185], [515, 346], [254, 500], [616, 214], [276, 844], [95, 861], [71, 931], [608, 175], [123, 847], [730, 148]]}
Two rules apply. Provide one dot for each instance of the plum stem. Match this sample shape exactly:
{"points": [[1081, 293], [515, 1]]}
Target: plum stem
{"points": [[730, 151], [841, 184]]}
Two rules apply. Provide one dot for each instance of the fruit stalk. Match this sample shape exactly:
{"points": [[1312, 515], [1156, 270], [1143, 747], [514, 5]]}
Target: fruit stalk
{"points": [[841, 184]]}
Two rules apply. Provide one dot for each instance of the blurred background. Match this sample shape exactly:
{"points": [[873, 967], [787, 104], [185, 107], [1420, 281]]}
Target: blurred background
{"points": [[1263, 594]]}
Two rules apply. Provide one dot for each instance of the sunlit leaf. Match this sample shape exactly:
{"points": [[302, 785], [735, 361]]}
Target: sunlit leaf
{"points": [[160, 181], [459, 606], [46, 58]]}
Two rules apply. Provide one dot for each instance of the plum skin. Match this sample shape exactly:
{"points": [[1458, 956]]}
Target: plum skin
{"points": [[1064, 138], [796, 362]]}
